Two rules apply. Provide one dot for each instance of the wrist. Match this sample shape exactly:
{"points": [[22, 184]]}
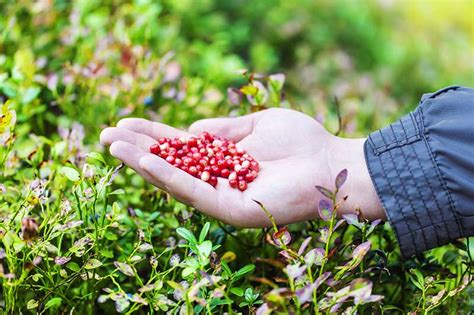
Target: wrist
{"points": [[359, 189]]}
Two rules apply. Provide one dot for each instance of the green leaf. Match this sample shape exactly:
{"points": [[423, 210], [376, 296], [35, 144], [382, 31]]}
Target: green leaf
{"points": [[53, 303], [30, 94], [70, 173], [242, 272], [205, 248], [92, 264], [225, 267], [119, 191], [32, 304], [237, 291], [73, 266], [204, 231], [126, 269], [187, 235], [94, 157]]}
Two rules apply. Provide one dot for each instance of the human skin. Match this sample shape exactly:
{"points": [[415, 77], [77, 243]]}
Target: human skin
{"points": [[294, 151]]}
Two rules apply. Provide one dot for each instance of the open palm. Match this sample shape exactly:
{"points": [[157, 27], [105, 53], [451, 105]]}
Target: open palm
{"points": [[292, 150]]}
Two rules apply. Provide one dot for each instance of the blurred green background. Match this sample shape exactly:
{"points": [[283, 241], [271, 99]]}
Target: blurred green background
{"points": [[96, 61]]}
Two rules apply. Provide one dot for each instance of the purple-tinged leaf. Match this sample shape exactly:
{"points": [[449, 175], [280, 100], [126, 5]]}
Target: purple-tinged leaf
{"points": [[304, 295], [361, 291], [361, 250], [341, 178], [294, 271], [322, 279], [332, 282], [235, 96], [264, 309], [326, 192], [282, 236], [325, 210], [353, 219], [372, 226], [338, 224], [277, 80], [61, 260], [304, 245], [285, 254], [335, 308], [315, 256], [324, 237]]}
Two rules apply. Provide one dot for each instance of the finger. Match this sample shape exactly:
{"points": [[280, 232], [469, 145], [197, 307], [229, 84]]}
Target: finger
{"points": [[233, 128], [152, 129], [113, 134], [131, 155], [184, 186]]}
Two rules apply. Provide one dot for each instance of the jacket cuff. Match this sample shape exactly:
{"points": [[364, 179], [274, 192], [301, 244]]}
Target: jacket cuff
{"points": [[410, 186]]}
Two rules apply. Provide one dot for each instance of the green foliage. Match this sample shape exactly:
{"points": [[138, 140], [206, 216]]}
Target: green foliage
{"points": [[81, 234]]}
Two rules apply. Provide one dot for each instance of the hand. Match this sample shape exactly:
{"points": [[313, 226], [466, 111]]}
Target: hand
{"points": [[294, 151]]}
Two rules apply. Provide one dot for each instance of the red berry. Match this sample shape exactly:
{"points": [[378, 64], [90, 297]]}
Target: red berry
{"points": [[203, 162], [172, 151], [249, 177], [242, 185], [233, 183], [193, 170], [225, 173], [155, 149], [215, 170], [242, 171], [170, 159], [254, 166], [192, 142], [213, 181]]}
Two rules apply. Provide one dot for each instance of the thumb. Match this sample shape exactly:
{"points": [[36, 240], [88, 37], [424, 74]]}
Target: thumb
{"points": [[233, 128]]}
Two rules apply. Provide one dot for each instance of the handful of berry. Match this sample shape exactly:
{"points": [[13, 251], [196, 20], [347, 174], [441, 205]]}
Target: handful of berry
{"points": [[208, 157]]}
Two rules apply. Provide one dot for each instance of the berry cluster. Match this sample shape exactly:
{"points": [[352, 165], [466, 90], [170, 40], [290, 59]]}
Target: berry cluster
{"points": [[208, 157]]}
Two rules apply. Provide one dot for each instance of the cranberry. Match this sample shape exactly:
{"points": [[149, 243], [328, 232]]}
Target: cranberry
{"points": [[155, 149], [213, 181], [233, 183], [225, 173], [205, 176], [192, 142], [242, 185]]}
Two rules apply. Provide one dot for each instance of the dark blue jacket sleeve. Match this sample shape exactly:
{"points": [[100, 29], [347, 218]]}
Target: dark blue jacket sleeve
{"points": [[422, 167]]}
